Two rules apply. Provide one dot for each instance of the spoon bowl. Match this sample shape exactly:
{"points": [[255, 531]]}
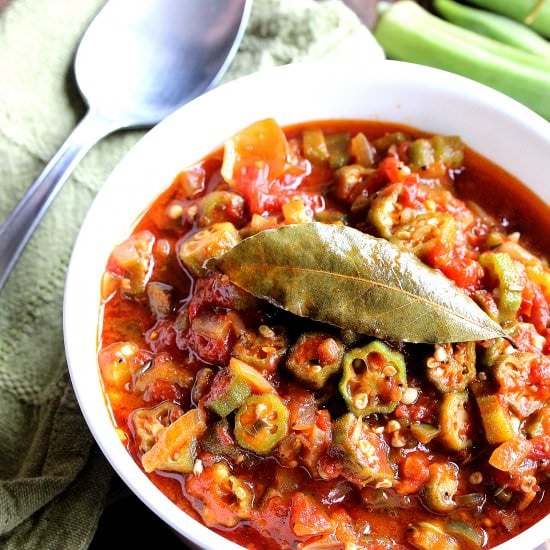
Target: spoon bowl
{"points": [[137, 63], [136, 66]]}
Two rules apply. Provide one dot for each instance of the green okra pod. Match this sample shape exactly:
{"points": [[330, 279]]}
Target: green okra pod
{"points": [[535, 13], [493, 25], [405, 11], [408, 32]]}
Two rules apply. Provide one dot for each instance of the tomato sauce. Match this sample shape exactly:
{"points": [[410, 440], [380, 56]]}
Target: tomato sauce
{"points": [[277, 431]]}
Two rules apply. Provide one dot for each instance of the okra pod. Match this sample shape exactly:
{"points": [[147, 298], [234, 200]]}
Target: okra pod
{"points": [[503, 270], [493, 25], [535, 13], [373, 379], [314, 358], [458, 37], [408, 32], [261, 423], [364, 453]]}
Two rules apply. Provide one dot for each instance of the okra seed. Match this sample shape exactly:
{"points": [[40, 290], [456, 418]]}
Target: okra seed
{"points": [[198, 467], [527, 484], [397, 440], [260, 410], [389, 371], [430, 205], [192, 211], [393, 426], [410, 395], [476, 478], [508, 350], [403, 235], [361, 400], [440, 354], [266, 332], [175, 211], [384, 484]]}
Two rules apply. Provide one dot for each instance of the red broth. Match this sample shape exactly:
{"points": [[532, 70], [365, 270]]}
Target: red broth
{"points": [[237, 410]]}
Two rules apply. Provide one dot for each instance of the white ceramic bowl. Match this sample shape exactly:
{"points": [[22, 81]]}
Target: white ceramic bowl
{"points": [[435, 101]]}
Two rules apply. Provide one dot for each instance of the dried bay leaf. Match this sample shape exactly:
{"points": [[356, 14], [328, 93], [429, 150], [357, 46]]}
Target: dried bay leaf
{"points": [[338, 275]]}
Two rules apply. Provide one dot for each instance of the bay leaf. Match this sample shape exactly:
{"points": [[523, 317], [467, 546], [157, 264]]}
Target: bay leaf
{"points": [[339, 275]]}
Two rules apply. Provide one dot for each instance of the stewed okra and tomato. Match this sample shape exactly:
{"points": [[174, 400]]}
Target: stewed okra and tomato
{"points": [[286, 392]]}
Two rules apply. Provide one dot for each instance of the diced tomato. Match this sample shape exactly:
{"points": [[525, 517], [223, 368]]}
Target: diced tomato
{"points": [[272, 518], [161, 337], [213, 496], [539, 373], [510, 455], [425, 409], [258, 152], [307, 516], [163, 390], [540, 448], [257, 164], [214, 350], [439, 255], [392, 168], [329, 467], [414, 473], [413, 194], [216, 291], [465, 272], [534, 307], [302, 406]]}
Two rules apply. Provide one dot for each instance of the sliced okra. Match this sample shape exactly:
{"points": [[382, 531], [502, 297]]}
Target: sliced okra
{"points": [[373, 379], [314, 358]]}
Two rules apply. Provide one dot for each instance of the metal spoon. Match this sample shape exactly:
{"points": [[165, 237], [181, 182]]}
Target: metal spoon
{"points": [[136, 64]]}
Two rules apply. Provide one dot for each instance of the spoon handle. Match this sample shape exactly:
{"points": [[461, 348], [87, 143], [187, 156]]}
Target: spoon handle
{"points": [[20, 224]]}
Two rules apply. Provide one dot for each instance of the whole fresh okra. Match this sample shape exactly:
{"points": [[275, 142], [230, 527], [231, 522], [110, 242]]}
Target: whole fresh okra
{"points": [[408, 32], [535, 13], [495, 26]]}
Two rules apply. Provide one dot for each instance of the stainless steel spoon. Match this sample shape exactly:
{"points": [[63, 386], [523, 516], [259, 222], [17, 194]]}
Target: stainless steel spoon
{"points": [[136, 64]]}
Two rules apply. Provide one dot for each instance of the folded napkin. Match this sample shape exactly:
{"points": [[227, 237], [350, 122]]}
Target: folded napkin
{"points": [[54, 482]]}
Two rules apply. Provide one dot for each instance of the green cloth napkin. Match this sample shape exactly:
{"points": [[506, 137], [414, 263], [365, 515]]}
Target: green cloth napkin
{"points": [[54, 482]]}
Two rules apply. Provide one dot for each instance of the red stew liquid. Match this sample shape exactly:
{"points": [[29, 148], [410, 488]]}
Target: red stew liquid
{"points": [[280, 432]]}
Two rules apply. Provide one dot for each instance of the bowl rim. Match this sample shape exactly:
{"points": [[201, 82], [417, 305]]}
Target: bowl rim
{"points": [[387, 73]]}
